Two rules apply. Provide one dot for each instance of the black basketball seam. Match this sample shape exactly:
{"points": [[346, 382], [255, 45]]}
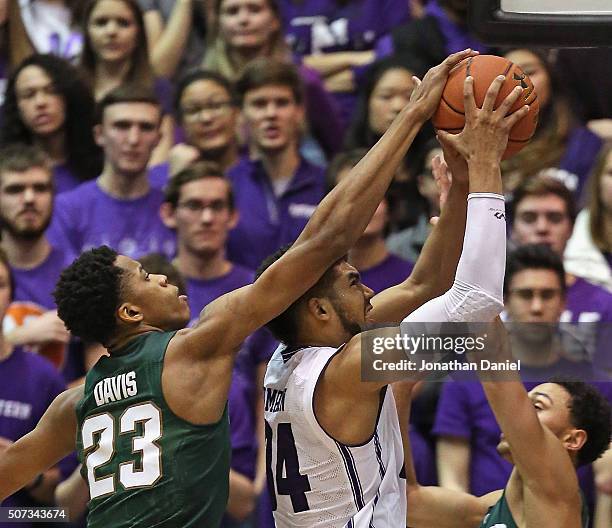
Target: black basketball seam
{"points": [[452, 107]]}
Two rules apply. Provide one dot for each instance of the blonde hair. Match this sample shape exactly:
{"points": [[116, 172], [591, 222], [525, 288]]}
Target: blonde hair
{"points": [[597, 223], [217, 57]]}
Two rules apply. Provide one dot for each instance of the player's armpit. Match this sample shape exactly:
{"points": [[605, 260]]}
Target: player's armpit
{"points": [[51, 440], [434, 506]]}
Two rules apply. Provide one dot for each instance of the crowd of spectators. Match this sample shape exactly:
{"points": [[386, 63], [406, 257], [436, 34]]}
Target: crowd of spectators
{"points": [[200, 135]]}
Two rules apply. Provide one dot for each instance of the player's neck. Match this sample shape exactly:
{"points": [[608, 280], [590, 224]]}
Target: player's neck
{"points": [[194, 266], [123, 186], [25, 254], [281, 164], [54, 146], [368, 252], [122, 340]]}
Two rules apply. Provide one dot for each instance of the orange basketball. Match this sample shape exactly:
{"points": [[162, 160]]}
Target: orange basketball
{"points": [[450, 115]]}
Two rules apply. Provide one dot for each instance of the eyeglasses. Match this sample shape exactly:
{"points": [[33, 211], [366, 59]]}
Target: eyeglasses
{"points": [[213, 108], [196, 207], [528, 294], [531, 217]]}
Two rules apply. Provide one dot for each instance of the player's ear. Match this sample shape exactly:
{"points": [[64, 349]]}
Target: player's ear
{"points": [[319, 308], [575, 439], [167, 214], [129, 313]]}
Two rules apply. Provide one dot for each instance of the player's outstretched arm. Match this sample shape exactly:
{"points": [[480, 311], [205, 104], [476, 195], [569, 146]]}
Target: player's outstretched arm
{"points": [[538, 455], [431, 505], [335, 226], [51, 440], [480, 146]]}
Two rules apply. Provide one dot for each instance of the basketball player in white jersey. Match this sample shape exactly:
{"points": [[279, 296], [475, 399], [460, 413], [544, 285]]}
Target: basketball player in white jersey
{"points": [[333, 443]]}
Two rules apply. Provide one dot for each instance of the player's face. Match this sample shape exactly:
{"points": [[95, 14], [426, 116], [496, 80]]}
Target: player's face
{"points": [[273, 117], [533, 67], [128, 134], [26, 200], [112, 30], [247, 23], [350, 300], [551, 402], [203, 217], [390, 95], [42, 109], [5, 290], [542, 220], [605, 184], [209, 116], [159, 302]]}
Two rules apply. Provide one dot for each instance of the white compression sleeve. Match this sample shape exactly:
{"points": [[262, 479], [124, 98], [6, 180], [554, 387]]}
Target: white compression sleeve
{"points": [[477, 292]]}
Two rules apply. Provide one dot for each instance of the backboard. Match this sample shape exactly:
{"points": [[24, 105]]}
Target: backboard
{"points": [[551, 23]]}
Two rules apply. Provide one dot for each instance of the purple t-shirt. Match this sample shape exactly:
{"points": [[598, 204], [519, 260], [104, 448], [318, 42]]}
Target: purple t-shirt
{"points": [[464, 412], [159, 175], [389, 272], [268, 222], [33, 297], [87, 217], [64, 179], [326, 26], [28, 385]]}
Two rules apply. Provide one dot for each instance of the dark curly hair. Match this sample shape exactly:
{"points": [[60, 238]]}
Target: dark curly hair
{"points": [[88, 294], [590, 411], [83, 156]]}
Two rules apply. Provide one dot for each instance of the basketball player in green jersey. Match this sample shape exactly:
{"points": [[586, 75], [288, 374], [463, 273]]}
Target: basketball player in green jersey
{"points": [[150, 423], [546, 434]]}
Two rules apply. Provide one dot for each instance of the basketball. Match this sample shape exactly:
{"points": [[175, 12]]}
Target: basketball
{"points": [[450, 114]]}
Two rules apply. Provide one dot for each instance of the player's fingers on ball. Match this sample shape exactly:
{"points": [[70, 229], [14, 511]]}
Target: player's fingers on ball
{"points": [[509, 101], [515, 117], [469, 104], [492, 93], [452, 60]]}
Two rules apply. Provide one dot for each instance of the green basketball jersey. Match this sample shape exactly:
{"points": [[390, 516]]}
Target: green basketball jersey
{"points": [[499, 515], [145, 466]]}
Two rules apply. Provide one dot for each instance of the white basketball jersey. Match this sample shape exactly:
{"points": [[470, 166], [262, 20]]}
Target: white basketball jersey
{"points": [[315, 480]]}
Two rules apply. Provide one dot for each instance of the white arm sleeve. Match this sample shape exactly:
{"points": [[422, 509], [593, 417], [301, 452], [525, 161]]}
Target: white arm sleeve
{"points": [[477, 292]]}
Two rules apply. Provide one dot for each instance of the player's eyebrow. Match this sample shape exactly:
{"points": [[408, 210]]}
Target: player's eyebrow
{"points": [[544, 395]]}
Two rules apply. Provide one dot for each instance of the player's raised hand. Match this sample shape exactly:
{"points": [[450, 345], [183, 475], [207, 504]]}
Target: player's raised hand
{"points": [[486, 130], [427, 93]]}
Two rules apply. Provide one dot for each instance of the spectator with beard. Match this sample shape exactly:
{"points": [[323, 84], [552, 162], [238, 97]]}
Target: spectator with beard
{"points": [[48, 104]]}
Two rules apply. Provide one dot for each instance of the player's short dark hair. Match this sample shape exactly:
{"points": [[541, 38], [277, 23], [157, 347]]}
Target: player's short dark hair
{"points": [[265, 71], [198, 170], [20, 157], [286, 325], [127, 93], [533, 256], [543, 186], [88, 294], [589, 410]]}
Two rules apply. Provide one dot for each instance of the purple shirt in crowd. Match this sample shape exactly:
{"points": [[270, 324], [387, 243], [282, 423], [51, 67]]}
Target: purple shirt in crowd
{"points": [[88, 217], [389, 272], [28, 385], [456, 36], [324, 26], [464, 412], [268, 222], [33, 297], [64, 179], [579, 158]]}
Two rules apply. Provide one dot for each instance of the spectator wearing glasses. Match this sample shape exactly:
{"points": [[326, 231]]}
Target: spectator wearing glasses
{"points": [[207, 110]]}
